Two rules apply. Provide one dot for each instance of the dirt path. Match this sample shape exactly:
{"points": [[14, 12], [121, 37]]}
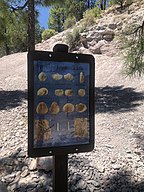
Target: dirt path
{"points": [[116, 163]]}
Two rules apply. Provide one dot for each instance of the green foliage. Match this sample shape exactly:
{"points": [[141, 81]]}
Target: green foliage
{"points": [[91, 15], [66, 15], [69, 22], [56, 18], [46, 34], [14, 27], [120, 2], [74, 8], [133, 46], [73, 38], [134, 59]]}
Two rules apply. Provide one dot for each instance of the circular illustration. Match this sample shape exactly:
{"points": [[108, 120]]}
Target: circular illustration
{"points": [[42, 108], [59, 92], [81, 92], [57, 76], [81, 107], [68, 108], [42, 91], [69, 77], [69, 92], [42, 76], [54, 108]]}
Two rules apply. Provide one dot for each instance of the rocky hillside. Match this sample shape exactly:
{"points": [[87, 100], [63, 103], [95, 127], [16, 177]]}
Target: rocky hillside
{"points": [[116, 163], [100, 38]]}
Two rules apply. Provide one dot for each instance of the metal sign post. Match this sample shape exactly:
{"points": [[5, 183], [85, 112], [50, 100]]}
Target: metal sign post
{"points": [[60, 107], [60, 162], [60, 173]]}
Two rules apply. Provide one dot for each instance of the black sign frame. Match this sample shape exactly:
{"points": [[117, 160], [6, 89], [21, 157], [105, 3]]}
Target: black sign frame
{"points": [[59, 57]]}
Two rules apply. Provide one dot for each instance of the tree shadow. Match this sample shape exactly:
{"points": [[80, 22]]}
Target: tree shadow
{"points": [[140, 140], [117, 99], [122, 180], [16, 176], [83, 176], [11, 99]]}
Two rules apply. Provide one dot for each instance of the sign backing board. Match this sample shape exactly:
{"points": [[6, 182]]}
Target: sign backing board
{"points": [[60, 103]]}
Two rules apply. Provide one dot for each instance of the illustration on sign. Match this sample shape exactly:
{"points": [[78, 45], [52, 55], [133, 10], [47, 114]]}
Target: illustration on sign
{"points": [[61, 103]]}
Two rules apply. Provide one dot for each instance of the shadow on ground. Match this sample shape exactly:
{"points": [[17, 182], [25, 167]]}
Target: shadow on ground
{"points": [[11, 99], [82, 177], [122, 181], [14, 173], [140, 140], [117, 99]]}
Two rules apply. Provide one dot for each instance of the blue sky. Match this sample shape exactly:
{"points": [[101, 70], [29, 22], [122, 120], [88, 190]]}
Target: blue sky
{"points": [[43, 16]]}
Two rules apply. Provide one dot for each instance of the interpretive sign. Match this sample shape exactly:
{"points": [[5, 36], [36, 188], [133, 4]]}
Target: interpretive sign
{"points": [[60, 103]]}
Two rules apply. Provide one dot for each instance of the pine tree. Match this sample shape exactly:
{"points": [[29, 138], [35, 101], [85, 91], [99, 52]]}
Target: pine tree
{"points": [[56, 18], [134, 51]]}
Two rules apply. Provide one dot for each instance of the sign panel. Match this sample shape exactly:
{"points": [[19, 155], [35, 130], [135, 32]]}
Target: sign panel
{"points": [[61, 103]]}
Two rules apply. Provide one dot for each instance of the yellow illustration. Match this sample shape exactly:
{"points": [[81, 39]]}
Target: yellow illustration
{"points": [[42, 91], [54, 109], [69, 92], [69, 77], [57, 76], [59, 92], [42, 76], [82, 77], [81, 127], [68, 108], [42, 131], [81, 92], [81, 107], [42, 108]]}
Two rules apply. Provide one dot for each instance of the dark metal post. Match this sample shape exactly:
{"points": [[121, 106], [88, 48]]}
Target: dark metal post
{"points": [[31, 25], [60, 162], [60, 173]]}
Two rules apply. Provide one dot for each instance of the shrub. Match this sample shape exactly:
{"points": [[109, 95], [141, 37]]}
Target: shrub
{"points": [[91, 15], [46, 34], [73, 38], [120, 2], [69, 22]]}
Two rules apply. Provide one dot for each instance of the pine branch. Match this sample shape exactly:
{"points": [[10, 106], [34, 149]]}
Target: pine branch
{"points": [[138, 31]]}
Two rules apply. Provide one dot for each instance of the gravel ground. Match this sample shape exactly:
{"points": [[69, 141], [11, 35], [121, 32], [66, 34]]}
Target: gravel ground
{"points": [[117, 162]]}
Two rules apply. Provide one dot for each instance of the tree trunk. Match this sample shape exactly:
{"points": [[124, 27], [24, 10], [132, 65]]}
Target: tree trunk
{"points": [[7, 49], [104, 4], [88, 4], [101, 5], [31, 26]]}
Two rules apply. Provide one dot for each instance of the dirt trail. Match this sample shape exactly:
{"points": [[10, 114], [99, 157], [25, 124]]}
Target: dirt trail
{"points": [[119, 102]]}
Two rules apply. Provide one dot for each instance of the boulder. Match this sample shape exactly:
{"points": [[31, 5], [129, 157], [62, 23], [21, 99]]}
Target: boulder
{"points": [[96, 49], [108, 37], [45, 163], [84, 42], [112, 26], [84, 50]]}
